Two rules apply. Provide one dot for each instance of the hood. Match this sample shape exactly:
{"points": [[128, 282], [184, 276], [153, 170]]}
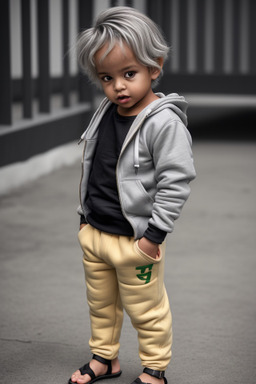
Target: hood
{"points": [[172, 101]]}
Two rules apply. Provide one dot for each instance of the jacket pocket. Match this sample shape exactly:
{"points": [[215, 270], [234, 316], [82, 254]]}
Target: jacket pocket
{"points": [[135, 199]]}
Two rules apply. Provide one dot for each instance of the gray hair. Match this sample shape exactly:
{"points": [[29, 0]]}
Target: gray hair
{"points": [[122, 25]]}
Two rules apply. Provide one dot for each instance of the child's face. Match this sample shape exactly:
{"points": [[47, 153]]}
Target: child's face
{"points": [[124, 80]]}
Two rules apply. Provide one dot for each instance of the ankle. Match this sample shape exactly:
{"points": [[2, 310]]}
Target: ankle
{"points": [[98, 367], [115, 365]]}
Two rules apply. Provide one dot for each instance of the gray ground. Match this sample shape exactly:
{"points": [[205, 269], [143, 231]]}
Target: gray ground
{"points": [[210, 277]]}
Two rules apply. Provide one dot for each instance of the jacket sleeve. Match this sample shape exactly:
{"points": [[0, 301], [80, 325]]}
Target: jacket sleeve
{"points": [[174, 169]]}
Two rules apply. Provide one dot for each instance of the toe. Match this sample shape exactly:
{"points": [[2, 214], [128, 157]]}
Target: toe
{"points": [[75, 376], [83, 379]]}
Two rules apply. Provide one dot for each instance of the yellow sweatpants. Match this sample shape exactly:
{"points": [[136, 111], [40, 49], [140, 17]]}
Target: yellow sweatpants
{"points": [[120, 275]]}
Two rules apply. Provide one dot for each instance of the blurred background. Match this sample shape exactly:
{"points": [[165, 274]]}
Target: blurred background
{"points": [[46, 103]]}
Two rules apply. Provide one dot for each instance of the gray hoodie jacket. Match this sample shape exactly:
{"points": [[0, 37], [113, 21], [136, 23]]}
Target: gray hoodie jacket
{"points": [[155, 164]]}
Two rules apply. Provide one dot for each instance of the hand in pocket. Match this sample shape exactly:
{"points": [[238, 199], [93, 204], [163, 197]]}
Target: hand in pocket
{"points": [[151, 249]]}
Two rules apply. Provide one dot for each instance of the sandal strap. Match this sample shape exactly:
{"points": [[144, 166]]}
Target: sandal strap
{"points": [[154, 373], [86, 370], [104, 361]]}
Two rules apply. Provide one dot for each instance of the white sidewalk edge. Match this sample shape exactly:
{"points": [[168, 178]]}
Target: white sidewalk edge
{"points": [[15, 175]]}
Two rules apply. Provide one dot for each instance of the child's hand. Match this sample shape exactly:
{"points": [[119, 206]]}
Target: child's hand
{"points": [[151, 249]]}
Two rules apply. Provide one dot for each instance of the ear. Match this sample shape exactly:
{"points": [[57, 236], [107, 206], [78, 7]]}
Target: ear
{"points": [[155, 72]]}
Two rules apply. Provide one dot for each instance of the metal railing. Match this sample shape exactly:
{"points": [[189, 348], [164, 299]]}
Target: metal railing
{"points": [[39, 131], [27, 88], [212, 51], [213, 44]]}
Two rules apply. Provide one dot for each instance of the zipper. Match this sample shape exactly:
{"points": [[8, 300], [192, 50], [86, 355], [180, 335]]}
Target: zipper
{"points": [[82, 175], [117, 181]]}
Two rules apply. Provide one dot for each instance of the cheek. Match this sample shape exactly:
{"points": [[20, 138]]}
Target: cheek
{"points": [[140, 88], [107, 89]]}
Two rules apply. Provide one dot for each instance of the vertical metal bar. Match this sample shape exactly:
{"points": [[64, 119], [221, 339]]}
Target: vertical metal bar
{"points": [[209, 35], [175, 26], [85, 16], [252, 34], [236, 35], [5, 65], [219, 36], [200, 35], [166, 22], [154, 10], [191, 37], [228, 37], [244, 39], [26, 59], [129, 3], [43, 56], [113, 3], [183, 35], [65, 34]]}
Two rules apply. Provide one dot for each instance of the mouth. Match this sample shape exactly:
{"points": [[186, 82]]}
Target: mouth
{"points": [[123, 99]]}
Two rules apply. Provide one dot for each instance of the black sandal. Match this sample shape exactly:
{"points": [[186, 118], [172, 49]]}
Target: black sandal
{"points": [[151, 372], [86, 370]]}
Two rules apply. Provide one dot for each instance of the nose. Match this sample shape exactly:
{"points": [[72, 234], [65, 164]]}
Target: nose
{"points": [[119, 84]]}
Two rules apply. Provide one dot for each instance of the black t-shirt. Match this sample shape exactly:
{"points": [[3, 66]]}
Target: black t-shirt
{"points": [[102, 197]]}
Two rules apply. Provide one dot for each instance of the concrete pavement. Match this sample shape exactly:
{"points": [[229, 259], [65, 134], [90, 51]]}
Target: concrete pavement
{"points": [[210, 278]]}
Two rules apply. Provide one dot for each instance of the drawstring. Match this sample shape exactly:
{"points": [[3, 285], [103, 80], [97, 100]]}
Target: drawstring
{"points": [[136, 145], [136, 152]]}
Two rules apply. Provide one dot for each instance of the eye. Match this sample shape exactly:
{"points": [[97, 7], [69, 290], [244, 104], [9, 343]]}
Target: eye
{"points": [[106, 78], [129, 75]]}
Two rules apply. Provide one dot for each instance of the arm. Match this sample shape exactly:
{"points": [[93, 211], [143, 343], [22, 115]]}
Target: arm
{"points": [[174, 169]]}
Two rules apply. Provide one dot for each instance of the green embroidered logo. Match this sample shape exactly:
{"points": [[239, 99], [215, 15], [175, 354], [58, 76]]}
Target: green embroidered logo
{"points": [[145, 273]]}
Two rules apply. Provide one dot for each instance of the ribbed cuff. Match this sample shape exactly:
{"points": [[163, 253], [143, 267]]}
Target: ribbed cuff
{"points": [[155, 234]]}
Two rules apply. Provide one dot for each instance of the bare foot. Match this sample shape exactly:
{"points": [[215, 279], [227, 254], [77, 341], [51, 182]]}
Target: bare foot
{"points": [[145, 378], [98, 368]]}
